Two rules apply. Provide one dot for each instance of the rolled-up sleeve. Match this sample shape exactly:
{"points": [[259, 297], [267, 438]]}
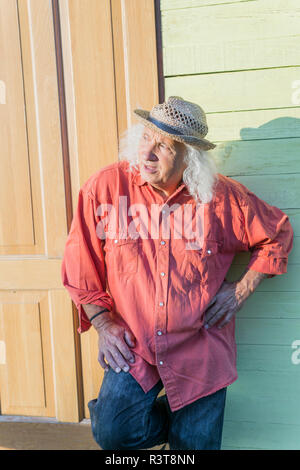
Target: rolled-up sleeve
{"points": [[268, 235], [83, 266]]}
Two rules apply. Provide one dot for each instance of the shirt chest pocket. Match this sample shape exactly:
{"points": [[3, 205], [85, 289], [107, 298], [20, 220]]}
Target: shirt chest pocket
{"points": [[121, 255], [203, 265]]}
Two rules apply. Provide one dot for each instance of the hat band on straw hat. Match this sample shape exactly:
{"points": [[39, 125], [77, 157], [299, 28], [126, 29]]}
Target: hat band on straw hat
{"points": [[164, 127]]}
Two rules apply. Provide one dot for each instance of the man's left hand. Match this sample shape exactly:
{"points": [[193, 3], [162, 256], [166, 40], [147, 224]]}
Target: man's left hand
{"points": [[230, 298], [223, 306]]}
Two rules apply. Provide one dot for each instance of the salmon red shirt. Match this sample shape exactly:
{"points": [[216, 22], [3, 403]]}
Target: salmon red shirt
{"points": [[156, 263]]}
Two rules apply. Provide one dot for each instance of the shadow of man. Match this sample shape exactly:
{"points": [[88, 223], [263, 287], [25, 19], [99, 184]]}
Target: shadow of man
{"points": [[272, 148], [266, 160]]}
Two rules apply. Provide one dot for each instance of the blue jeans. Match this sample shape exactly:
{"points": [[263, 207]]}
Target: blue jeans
{"points": [[124, 417]]}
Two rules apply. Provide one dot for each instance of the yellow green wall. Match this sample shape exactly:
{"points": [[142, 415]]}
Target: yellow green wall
{"points": [[240, 60]]}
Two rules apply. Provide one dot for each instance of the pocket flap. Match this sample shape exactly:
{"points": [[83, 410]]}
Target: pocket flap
{"points": [[111, 243], [211, 247]]}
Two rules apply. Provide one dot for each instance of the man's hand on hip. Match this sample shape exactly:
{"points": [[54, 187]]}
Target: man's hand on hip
{"points": [[230, 298], [114, 345], [114, 340]]}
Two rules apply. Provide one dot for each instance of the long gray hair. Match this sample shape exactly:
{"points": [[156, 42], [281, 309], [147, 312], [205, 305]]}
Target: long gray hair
{"points": [[199, 175]]}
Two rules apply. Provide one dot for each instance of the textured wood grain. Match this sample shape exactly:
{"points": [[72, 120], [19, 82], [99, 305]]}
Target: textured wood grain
{"points": [[199, 38], [15, 191], [93, 79], [270, 156], [265, 397], [287, 194], [240, 62], [251, 435], [178, 4], [266, 331], [26, 374], [259, 53], [252, 125], [237, 91]]}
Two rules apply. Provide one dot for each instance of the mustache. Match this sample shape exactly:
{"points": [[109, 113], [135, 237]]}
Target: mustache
{"points": [[149, 165]]}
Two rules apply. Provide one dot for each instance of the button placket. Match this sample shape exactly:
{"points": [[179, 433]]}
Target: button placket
{"points": [[162, 286]]}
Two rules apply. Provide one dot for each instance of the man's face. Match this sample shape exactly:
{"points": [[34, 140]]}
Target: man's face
{"points": [[161, 160]]}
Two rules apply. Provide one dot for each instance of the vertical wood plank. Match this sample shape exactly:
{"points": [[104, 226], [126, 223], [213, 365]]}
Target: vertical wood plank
{"points": [[36, 25], [139, 68], [15, 191], [93, 76], [64, 355]]}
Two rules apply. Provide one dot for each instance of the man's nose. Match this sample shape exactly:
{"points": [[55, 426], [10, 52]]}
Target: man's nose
{"points": [[149, 152], [150, 156]]}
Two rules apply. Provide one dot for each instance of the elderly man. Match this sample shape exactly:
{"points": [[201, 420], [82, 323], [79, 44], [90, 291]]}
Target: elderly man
{"points": [[145, 263]]}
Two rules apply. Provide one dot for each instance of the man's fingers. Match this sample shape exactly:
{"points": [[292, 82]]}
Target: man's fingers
{"points": [[225, 320], [211, 313], [113, 363], [212, 301], [102, 361], [129, 338], [213, 320], [221, 315], [224, 306], [114, 342], [116, 360], [125, 351]]}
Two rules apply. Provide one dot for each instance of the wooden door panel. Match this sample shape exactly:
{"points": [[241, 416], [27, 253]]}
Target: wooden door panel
{"points": [[26, 374], [107, 73], [105, 90], [17, 227], [33, 225]]}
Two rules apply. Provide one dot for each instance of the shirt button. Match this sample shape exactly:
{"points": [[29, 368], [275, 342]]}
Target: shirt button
{"points": [[161, 304], [159, 333], [116, 241], [161, 362], [209, 252], [162, 242], [162, 274]]}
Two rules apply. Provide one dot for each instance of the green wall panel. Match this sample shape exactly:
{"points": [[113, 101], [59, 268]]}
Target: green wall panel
{"points": [[251, 125], [253, 157], [240, 60], [287, 194], [253, 89], [202, 41], [251, 435]]}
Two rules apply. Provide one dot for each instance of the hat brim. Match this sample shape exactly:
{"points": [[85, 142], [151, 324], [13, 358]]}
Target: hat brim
{"points": [[203, 144]]}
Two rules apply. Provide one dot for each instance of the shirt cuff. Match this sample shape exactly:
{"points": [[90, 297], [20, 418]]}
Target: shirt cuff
{"points": [[268, 265], [83, 297], [84, 322]]}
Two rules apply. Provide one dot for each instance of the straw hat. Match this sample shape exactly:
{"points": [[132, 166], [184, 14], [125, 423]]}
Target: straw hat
{"points": [[178, 119]]}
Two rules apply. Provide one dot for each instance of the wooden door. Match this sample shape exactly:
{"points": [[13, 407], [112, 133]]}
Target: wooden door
{"points": [[38, 368], [60, 122], [110, 67]]}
